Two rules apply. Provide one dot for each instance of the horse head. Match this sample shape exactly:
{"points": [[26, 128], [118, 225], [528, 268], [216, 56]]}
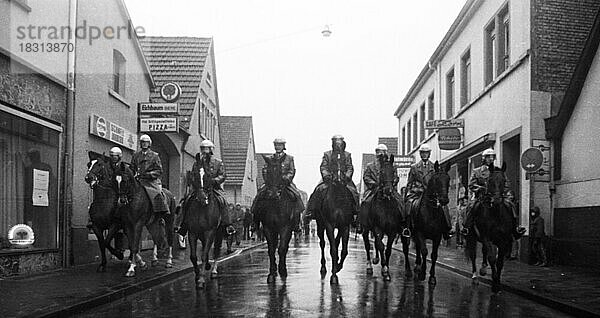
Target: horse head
{"points": [[272, 178], [495, 183], [387, 177], [438, 184], [97, 170], [338, 177], [124, 181]]}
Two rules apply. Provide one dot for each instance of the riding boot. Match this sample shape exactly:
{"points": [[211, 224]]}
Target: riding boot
{"points": [[448, 233]]}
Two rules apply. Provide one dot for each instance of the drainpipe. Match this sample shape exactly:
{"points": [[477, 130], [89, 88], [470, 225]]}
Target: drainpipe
{"points": [[69, 149]]}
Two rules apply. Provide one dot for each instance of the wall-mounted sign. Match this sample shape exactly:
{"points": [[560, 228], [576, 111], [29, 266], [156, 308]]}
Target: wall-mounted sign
{"points": [[158, 108], [403, 161], [445, 123], [158, 124], [110, 131], [21, 236], [543, 173], [532, 159], [170, 92], [403, 177], [449, 139]]}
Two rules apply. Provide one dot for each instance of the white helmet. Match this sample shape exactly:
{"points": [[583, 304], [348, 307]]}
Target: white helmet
{"points": [[279, 141], [116, 151], [146, 138], [425, 148], [488, 152], [207, 143], [338, 136], [381, 147]]}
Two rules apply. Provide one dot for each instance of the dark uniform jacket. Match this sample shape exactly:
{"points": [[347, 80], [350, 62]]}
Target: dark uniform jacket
{"points": [[146, 165], [214, 175], [419, 176], [479, 176], [288, 171], [371, 178]]}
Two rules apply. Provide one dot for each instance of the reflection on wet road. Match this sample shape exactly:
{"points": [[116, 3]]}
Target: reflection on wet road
{"points": [[242, 290]]}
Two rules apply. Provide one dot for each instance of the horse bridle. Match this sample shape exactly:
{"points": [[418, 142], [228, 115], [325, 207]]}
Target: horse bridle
{"points": [[202, 173]]}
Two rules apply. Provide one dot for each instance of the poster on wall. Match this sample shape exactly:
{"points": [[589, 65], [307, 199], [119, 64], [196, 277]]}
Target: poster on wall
{"points": [[41, 179]]}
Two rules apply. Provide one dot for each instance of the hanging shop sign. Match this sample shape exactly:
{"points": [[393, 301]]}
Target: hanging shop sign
{"points": [[449, 139], [158, 124], [101, 127], [403, 161], [170, 92], [21, 236], [158, 108]]}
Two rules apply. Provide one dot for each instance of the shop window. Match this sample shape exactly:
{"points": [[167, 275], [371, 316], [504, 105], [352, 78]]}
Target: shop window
{"points": [[29, 155]]}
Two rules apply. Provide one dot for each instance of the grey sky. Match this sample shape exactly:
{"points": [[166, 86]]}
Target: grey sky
{"points": [[273, 64]]}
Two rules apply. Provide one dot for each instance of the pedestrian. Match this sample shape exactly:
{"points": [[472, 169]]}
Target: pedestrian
{"points": [[537, 234], [247, 223], [516, 247], [460, 216]]}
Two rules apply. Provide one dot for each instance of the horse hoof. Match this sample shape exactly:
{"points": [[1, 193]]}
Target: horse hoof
{"points": [[387, 277], [283, 273], [130, 274], [369, 271], [270, 278], [144, 266], [483, 271], [432, 281], [323, 270], [376, 261], [154, 263], [119, 255], [408, 274], [169, 265], [475, 281], [214, 274], [101, 269], [334, 280], [200, 285]]}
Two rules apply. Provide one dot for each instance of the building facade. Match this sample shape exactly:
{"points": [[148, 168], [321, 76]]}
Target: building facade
{"points": [[499, 68], [33, 137], [239, 157]]}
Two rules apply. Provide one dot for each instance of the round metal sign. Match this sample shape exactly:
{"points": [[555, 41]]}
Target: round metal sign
{"points": [[449, 138], [532, 159], [21, 236], [170, 92]]}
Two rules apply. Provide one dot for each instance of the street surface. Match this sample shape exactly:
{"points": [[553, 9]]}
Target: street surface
{"points": [[242, 290]]}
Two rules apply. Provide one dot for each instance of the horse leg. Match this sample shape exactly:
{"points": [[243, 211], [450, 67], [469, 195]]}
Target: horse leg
{"points": [[321, 235], [492, 252], [405, 249], [284, 241], [434, 255], [272, 247], [503, 251], [112, 230], [169, 229], [345, 234], [333, 251], [424, 252], [388, 254], [484, 261], [193, 241], [102, 245], [471, 250], [216, 252], [418, 256], [154, 260], [365, 236], [380, 249], [134, 248]]}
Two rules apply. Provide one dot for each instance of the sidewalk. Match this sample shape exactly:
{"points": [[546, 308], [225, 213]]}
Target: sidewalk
{"points": [[573, 290], [67, 291]]}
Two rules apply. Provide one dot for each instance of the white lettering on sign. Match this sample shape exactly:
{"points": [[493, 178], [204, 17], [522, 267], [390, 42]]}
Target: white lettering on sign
{"points": [[159, 108], [445, 123], [158, 124], [105, 129]]}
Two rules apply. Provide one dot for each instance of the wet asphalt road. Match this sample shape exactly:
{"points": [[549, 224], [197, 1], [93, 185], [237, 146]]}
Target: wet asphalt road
{"points": [[242, 290]]}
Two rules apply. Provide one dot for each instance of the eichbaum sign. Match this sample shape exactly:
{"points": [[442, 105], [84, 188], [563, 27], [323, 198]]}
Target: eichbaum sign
{"points": [[445, 123], [158, 108], [158, 124]]}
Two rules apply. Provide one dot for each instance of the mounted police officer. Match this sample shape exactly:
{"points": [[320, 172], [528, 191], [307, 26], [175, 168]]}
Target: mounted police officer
{"points": [[337, 156], [418, 178], [214, 172], [371, 178], [477, 184], [117, 166], [288, 171], [147, 167]]}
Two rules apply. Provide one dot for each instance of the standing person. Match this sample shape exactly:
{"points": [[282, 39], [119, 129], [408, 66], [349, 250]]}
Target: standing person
{"points": [[537, 234], [147, 167], [247, 223], [516, 247], [336, 157], [460, 215]]}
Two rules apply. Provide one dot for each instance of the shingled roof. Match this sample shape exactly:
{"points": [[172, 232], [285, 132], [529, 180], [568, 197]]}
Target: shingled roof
{"points": [[180, 60], [235, 134]]}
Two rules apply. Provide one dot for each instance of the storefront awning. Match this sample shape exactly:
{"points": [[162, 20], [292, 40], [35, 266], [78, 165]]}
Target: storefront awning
{"points": [[471, 149]]}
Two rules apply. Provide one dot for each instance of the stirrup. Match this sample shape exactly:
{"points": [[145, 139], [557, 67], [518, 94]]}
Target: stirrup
{"points": [[406, 232]]}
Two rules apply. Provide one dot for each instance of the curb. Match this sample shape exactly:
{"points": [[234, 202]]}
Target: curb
{"points": [[533, 296], [131, 289]]}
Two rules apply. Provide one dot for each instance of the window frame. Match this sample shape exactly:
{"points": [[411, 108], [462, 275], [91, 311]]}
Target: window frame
{"points": [[450, 92], [119, 73]]}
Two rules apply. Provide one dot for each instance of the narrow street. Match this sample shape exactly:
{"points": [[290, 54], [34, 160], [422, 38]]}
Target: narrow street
{"points": [[242, 290]]}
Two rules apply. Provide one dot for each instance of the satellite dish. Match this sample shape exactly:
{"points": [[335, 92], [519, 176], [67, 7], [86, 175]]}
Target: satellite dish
{"points": [[326, 32]]}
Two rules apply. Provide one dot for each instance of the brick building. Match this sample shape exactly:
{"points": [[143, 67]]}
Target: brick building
{"points": [[502, 67], [239, 157]]}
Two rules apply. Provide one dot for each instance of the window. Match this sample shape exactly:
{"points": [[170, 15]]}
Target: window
{"points": [[118, 73], [430, 106], [450, 94], [497, 46], [28, 149], [403, 140], [465, 78], [415, 130], [408, 130], [422, 130]]}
